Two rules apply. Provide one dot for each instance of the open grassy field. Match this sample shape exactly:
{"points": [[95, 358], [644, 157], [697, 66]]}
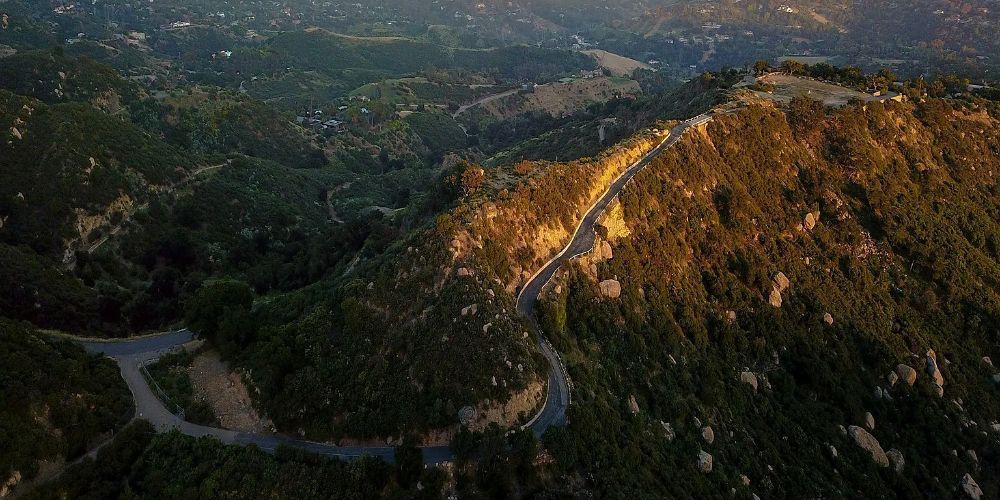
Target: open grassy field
{"points": [[616, 64], [786, 87]]}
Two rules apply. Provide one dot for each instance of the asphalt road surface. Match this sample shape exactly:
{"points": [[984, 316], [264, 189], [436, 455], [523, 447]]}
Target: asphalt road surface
{"points": [[560, 386], [132, 354]]}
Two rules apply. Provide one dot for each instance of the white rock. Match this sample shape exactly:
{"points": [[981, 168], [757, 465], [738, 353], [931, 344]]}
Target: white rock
{"points": [[708, 434], [971, 488], [869, 421], [470, 310], [828, 319], [896, 459], [668, 430], [704, 461], [868, 442], [749, 378]]}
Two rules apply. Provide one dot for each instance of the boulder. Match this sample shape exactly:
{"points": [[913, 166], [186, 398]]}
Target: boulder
{"points": [[896, 459], [892, 378], [704, 462], [781, 282], [906, 374], [668, 430], [935, 372], [988, 361], [708, 434], [828, 319], [869, 421], [775, 298], [750, 379], [971, 488], [833, 451], [611, 289], [464, 271], [633, 405], [10, 483], [606, 252], [470, 310], [745, 480], [810, 220], [868, 443], [731, 316]]}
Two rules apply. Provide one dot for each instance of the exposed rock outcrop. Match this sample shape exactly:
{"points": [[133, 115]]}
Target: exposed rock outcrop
{"points": [[935, 372], [896, 459], [704, 461], [749, 378], [779, 283], [971, 488], [10, 483], [810, 220], [708, 434], [906, 374], [633, 405], [868, 442], [606, 252], [611, 289], [774, 298]]}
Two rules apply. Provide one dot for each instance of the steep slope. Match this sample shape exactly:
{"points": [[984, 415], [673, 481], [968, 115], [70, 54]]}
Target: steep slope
{"points": [[782, 279], [53, 414], [69, 169]]}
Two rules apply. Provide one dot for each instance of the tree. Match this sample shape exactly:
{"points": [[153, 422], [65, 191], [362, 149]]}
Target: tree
{"points": [[792, 67], [219, 303], [473, 178], [761, 66]]}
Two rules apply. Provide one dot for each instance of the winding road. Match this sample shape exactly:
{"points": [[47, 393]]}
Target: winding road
{"points": [[133, 354]]}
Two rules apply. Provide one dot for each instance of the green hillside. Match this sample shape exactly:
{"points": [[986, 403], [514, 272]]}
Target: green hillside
{"points": [[887, 273]]}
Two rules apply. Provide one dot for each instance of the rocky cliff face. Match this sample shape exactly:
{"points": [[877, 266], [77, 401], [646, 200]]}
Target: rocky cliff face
{"points": [[516, 231]]}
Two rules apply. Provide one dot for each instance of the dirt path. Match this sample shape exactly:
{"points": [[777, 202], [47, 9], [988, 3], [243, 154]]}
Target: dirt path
{"points": [[127, 216], [483, 100]]}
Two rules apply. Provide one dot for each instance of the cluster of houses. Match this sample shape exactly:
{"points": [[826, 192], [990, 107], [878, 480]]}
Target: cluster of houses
{"points": [[315, 120]]}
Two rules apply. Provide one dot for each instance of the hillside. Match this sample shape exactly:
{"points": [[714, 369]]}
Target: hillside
{"points": [[53, 415], [69, 169], [785, 283]]}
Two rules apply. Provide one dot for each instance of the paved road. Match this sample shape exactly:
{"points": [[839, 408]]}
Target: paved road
{"points": [[560, 385], [132, 354]]}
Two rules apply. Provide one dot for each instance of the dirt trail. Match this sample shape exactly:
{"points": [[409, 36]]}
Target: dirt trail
{"points": [[483, 100], [127, 216]]}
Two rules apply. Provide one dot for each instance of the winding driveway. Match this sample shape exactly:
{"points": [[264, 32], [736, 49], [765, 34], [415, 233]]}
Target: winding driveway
{"points": [[133, 354]]}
